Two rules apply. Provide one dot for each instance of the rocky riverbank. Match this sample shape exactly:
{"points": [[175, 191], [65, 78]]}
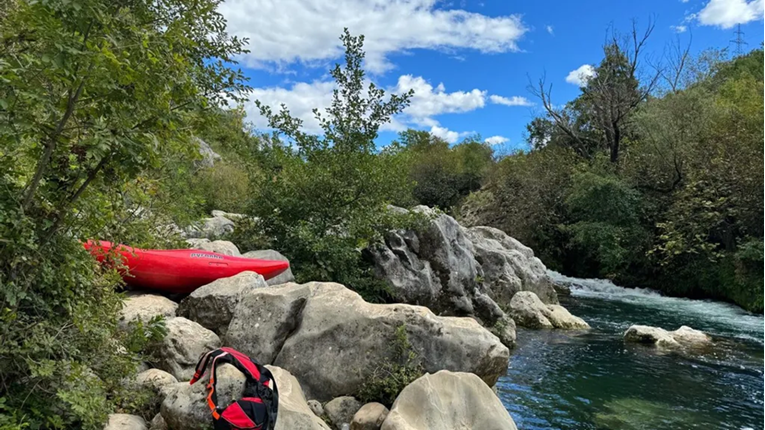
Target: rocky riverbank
{"points": [[331, 351]]}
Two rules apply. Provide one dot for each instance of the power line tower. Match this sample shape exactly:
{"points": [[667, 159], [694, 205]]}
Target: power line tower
{"points": [[739, 41]]}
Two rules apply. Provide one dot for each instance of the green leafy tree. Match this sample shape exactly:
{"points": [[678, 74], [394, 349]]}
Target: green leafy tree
{"points": [[598, 119], [604, 225], [524, 196], [444, 175], [652, 187], [322, 198], [94, 98]]}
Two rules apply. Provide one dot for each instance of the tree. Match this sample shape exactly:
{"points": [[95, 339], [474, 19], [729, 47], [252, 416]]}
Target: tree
{"points": [[444, 175], [322, 198], [598, 117], [93, 96]]}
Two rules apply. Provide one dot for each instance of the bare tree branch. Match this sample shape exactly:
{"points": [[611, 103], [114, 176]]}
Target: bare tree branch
{"points": [[560, 120]]}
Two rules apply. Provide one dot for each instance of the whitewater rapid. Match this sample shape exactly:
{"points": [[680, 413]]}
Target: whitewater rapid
{"points": [[716, 318]]}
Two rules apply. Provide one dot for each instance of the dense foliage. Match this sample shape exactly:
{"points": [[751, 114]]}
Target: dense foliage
{"points": [[321, 199], [680, 206], [443, 175], [96, 103]]}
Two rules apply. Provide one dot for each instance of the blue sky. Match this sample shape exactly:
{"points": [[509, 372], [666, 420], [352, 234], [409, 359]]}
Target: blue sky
{"points": [[469, 61]]}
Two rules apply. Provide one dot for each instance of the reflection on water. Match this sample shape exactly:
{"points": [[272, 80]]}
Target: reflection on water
{"points": [[593, 380]]}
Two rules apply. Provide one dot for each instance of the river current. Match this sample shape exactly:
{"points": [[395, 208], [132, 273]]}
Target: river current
{"points": [[594, 380]]}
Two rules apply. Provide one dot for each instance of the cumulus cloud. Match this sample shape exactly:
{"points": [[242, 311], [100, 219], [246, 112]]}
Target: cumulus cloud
{"points": [[281, 32], [426, 103], [444, 133], [678, 28], [429, 101], [510, 101], [581, 75], [550, 29], [728, 13], [496, 140]]}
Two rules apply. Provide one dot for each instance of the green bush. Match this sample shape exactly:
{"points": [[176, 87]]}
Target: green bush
{"points": [[320, 200], [395, 374], [95, 105], [605, 229], [444, 175], [224, 186]]}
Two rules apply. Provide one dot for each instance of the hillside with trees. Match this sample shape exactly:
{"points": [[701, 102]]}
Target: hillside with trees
{"points": [[674, 204]]}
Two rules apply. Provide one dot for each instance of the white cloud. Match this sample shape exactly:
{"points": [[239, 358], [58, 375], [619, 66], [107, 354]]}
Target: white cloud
{"points": [[727, 13], [449, 136], [496, 140], [679, 28], [550, 29], [684, 1], [511, 101], [428, 101], [281, 32], [581, 75]]}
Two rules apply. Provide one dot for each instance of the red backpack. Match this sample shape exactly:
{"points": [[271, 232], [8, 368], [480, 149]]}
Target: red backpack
{"points": [[257, 408]]}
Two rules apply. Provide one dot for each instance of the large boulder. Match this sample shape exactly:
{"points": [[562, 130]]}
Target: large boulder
{"points": [[270, 254], [435, 267], [341, 410], [294, 413], [144, 307], [181, 348], [212, 305], [339, 340], [220, 246], [125, 422], [509, 267], [264, 319], [682, 337], [447, 400], [458, 271], [528, 311], [370, 417]]}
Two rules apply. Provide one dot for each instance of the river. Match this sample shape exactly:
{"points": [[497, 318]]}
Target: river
{"points": [[593, 380]]}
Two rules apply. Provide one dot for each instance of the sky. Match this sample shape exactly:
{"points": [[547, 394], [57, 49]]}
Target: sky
{"points": [[469, 62]]}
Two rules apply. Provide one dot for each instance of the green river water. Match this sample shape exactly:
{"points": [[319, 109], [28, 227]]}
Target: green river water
{"points": [[593, 380]]}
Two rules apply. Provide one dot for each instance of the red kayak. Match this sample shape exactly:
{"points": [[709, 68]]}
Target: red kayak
{"points": [[181, 270]]}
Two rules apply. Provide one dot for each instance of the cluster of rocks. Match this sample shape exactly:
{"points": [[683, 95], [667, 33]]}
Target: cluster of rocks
{"points": [[461, 291], [475, 271], [321, 341]]}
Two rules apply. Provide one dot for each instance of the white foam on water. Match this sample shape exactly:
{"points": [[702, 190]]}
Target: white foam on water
{"points": [[730, 318]]}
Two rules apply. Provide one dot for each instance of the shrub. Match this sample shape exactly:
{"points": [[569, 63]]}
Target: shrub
{"points": [[95, 98], [322, 199], [395, 374]]}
